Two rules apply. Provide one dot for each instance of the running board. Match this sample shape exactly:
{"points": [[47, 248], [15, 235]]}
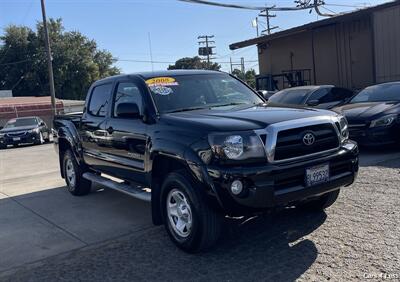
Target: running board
{"points": [[133, 191]]}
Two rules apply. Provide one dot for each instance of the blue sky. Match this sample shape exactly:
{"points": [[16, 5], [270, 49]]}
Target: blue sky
{"points": [[123, 26]]}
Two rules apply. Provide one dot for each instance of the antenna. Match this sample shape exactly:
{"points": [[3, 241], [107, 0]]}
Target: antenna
{"points": [[151, 52]]}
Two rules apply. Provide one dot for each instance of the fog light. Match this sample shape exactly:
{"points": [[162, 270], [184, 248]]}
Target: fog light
{"points": [[236, 187]]}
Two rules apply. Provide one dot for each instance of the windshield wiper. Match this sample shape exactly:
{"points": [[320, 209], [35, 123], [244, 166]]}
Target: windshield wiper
{"points": [[230, 104], [186, 110], [237, 104]]}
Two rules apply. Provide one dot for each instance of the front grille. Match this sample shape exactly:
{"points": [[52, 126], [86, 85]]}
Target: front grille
{"points": [[290, 142], [16, 134]]}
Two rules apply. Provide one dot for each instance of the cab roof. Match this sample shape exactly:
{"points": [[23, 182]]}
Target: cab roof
{"points": [[151, 74]]}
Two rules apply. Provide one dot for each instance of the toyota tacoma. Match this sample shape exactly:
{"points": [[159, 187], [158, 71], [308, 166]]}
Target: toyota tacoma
{"points": [[202, 145]]}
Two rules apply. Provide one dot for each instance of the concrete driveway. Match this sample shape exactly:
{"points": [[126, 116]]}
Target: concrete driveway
{"points": [[40, 219]]}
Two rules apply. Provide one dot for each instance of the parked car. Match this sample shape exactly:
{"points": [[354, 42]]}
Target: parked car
{"points": [[266, 93], [322, 96], [374, 115], [23, 131], [200, 145]]}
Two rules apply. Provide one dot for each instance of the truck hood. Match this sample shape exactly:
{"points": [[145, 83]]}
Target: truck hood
{"points": [[362, 112], [239, 118], [16, 129]]}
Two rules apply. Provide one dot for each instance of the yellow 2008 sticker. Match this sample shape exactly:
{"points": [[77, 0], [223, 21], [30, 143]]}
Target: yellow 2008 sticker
{"points": [[161, 81]]}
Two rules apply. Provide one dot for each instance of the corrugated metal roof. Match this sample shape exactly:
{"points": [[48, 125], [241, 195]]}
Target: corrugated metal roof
{"points": [[312, 25]]}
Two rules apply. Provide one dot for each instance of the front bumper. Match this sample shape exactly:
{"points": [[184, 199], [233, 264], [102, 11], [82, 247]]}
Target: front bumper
{"points": [[274, 185], [27, 138], [379, 136]]}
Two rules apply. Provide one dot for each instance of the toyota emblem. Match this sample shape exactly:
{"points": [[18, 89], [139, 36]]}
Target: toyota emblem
{"points": [[309, 139]]}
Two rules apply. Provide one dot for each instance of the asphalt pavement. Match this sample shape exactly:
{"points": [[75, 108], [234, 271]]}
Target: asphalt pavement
{"points": [[46, 234]]}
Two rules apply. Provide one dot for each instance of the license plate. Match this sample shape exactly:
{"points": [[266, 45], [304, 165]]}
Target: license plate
{"points": [[16, 138], [317, 175]]}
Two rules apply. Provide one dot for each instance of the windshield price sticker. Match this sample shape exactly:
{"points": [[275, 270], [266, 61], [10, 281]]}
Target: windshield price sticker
{"points": [[161, 90], [161, 81]]}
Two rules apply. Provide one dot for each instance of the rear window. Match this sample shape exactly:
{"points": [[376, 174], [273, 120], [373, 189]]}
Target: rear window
{"points": [[290, 96], [20, 122], [99, 100]]}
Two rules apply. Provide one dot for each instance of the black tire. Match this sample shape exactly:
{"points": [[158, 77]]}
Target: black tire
{"points": [[206, 222], [77, 186], [3, 147], [47, 140], [40, 139], [323, 202]]}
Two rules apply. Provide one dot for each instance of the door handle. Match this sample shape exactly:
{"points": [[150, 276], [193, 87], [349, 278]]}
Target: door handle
{"points": [[110, 130]]}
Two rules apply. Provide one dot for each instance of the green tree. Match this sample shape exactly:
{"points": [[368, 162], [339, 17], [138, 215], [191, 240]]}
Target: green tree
{"points": [[249, 77], [77, 62], [194, 63]]}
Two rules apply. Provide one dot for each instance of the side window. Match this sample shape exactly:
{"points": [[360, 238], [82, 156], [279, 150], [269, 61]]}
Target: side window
{"points": [[128, 92], [321, 95], [340, 94], [99, 100]]}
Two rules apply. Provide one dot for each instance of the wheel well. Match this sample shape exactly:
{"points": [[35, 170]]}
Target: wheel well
{"points": [[162, 165], [63, 146]]}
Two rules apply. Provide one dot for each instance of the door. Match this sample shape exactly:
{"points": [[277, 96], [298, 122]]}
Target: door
{"points": [[127, 135], [93, 127], [330, 97]]}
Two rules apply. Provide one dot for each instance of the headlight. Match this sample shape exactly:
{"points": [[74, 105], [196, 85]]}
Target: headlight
{"points": [[35, 130], [240, 146], [344, 129], [233, 147], [383, 121]]}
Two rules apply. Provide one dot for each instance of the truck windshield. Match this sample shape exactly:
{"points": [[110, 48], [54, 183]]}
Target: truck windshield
{"points": [[191, 92], [20, 122]]}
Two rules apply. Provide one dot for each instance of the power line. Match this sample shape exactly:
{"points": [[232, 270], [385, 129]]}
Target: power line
{"points": [[344, 5], [168, 62], [301, 5], [17, 62]]}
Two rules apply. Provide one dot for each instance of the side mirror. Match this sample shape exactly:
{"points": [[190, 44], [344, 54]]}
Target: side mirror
{"points": [[1, 127], [313, 103], [128, 110], [42, 123], [264, 93]]}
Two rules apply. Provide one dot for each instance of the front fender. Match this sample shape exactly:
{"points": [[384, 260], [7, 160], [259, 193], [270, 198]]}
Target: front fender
{"points": [[168, 155], [66, 137]]}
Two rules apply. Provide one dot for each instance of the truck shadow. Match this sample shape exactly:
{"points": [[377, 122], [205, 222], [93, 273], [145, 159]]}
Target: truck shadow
{"points": [[265, 247], [274, 245], [382, 157]]}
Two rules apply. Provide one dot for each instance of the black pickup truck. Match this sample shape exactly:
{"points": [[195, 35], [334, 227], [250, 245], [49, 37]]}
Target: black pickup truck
{"points": [[201, 145]]}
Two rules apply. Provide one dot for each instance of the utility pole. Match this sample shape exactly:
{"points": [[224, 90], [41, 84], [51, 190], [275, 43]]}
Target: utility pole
{"points": [[206, 51], [267, 15], [241, 65], [254, 23], [49, 60]]}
